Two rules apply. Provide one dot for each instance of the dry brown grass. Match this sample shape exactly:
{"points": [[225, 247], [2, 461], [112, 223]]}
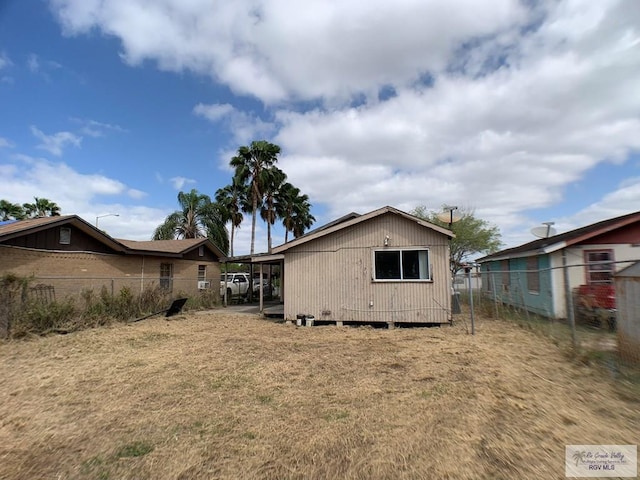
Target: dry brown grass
{"points": [[237, 397]]}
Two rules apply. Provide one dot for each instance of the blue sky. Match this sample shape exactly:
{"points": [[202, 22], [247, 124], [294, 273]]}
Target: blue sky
{"points": [[525, 112]]}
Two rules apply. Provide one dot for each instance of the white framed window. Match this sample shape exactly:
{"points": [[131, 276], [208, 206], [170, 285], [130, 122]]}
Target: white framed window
{"points": [[202, 273], [201, 251], [404, 265], [600, 267], [65, 236], [166, 276]]}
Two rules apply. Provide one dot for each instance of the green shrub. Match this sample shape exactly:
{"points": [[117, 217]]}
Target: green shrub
{"points": [[26, 314], [37, 317]]}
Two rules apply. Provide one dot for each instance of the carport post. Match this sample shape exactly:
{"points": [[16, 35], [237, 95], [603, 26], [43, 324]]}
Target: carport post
{"points": [[261, 292], [226, 279]]}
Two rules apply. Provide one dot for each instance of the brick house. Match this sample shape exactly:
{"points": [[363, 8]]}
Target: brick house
{"points": [[69, 255]]}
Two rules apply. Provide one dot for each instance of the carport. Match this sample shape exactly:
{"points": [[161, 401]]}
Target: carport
{"points": [[264, 263]]}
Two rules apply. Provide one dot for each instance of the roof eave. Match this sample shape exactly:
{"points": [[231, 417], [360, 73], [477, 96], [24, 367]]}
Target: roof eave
{"points": [[359, 219]]}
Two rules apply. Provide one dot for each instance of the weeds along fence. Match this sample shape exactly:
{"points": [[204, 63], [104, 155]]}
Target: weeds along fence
{"points": [[598, 320], [38, 305]]}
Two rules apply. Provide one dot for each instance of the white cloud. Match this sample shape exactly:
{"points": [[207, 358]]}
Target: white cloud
{"points": [[38, 66], [278, 50], [55, 143], [4, 143], [625, 199], [86, 195], [59, 179], [136, 194], [179, 182], [214, 112], [5, 61], [95, 129], [243, 126], [33, 64], [500, 105]]}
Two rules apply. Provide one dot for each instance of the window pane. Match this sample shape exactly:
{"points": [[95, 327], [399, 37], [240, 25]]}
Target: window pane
{"points": [[533, 274], [423, 257], [599, 256], [506, 276], [65, 236], [601, 277], [410, 265], [166, 275], [598, 270], [415, 264], [387, 265]]}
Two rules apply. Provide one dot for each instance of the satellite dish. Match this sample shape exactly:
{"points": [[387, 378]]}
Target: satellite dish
{"points": [[450, 215], [544, 231]]}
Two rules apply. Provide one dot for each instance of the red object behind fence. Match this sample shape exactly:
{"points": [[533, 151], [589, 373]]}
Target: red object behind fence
{"points": [[598, 296]]}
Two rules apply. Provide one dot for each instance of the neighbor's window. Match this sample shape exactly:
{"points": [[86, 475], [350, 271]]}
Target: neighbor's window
{"points": [[533, 275], [487, 279], [166, 276], [599, 266], [401, 264], [201, 251], [202, 273], [65, 236], [506, 275]]}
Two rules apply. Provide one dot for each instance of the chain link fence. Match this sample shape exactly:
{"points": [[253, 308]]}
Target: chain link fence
{"points": [[598, 322], [40, 304], [58, 288]]}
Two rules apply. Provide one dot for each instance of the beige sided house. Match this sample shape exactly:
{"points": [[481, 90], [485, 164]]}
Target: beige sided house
{"points": [[384, 266], [67, 255]]}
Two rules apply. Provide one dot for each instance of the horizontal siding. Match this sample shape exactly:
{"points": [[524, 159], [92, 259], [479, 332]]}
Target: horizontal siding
{"points": [[331, 277]]}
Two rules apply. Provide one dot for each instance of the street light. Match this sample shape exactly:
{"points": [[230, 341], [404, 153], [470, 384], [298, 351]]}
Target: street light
{"points": [[106, 215]]}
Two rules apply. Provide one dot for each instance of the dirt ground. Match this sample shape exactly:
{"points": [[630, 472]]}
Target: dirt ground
{"points": [[223, 396]]}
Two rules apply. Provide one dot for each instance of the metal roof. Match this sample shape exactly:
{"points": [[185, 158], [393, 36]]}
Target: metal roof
{"points": [[160, 247], [563, 240]]}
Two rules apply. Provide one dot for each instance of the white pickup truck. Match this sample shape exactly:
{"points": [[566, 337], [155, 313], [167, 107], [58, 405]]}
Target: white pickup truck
{"points": [[237, 285]]}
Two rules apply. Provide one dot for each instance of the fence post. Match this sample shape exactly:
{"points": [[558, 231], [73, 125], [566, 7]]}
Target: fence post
{"points": [[495, 294], [467, 269], [5, 311], [568, 298]]}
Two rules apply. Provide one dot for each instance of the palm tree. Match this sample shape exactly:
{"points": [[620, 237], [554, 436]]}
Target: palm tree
{"points": [[11, 211], [250, 165], [302, 218], [274, 181], [286, 205], [42, 207], [294, 210], [198, 217], [231, 200]]}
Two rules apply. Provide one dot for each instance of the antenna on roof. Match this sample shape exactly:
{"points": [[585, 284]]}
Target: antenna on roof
{"points": [[545, 231]]}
